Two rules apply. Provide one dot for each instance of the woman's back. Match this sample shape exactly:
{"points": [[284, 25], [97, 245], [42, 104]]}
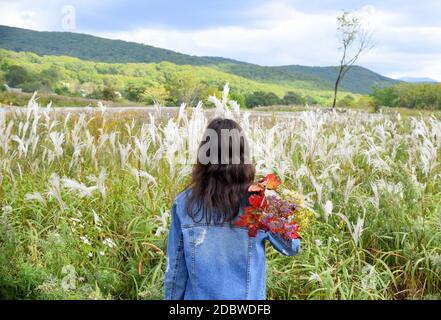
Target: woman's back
{"points": [[216, 261]]}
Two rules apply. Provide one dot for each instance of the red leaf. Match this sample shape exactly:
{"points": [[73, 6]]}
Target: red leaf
{"points": [[252, 231], [270, 181], [257, 201]]}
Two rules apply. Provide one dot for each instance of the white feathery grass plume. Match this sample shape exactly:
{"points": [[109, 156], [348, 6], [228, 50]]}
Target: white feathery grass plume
{"points": [[317, 186], [142, 174], [158, 108], [76, 154], [33, 141], [330, 171], [147, 176], [100, 182], [314, 277], [435, 130], [66, 121], [182, 112], [2, 119], [327, 209], [395, 189], [348, 189], [142, 150], [20, 128], [78, 187], [33, 106], [102, 107], [420, 186], [97, 221], [185, 171], [163, 218], [54, 190], [283, 168], [46, 113], [57, 139], [225, 93], [375, 200], [25, 128], [5, 136], [222, 106], [194, 132], [112, 140], [235, 108], [20, 171], [428, 156], [356, 229], [36, 196], [130, 127], [153, 130], [22, 146], [48, 155], [124, 153], [102, 138]]}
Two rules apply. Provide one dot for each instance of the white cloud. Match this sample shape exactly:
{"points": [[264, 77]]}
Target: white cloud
{"points": [[17, 15], [282, 36]]}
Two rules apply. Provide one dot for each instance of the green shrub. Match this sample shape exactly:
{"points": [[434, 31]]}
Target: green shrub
{"points": [[293, 98], [346, 101], [409, 95], [261, 98]]}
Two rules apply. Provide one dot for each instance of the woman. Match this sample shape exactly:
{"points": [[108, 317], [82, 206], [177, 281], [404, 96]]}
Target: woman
{"points": [[207, 256]]}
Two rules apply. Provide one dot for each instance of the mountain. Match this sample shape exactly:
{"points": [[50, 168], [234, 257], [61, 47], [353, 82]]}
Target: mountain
{"points": [[93, 48], [357, 79], [418, 80], [87, 47]]}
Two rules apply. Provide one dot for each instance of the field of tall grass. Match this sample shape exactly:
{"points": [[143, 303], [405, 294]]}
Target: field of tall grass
{"points": [[84, 200]]}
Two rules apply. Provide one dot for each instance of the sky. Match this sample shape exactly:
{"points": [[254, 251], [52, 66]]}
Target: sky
{"points": [[406, 33]]}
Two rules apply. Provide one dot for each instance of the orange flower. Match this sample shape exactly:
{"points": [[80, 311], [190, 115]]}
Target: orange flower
{"points": [[270, 181]]}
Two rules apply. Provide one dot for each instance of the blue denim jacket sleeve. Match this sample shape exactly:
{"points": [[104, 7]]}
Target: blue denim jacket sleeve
{"points": [[175, 279], [288, 247]]}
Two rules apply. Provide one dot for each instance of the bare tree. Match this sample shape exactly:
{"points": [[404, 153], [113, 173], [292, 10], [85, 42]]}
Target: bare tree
{"points": [[355, 39]]}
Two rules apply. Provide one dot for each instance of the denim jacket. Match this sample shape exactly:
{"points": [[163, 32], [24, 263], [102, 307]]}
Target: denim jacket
{"points": [[216, 261]]}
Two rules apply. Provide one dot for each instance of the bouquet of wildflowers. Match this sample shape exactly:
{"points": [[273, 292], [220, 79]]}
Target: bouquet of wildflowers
{"points": [[274, 209]]}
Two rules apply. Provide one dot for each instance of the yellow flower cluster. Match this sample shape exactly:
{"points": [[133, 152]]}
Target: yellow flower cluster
{"points": [[304, 212]]}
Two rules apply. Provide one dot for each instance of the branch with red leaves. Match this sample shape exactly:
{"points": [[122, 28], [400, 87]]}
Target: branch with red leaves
{"points": [[268, 211]]}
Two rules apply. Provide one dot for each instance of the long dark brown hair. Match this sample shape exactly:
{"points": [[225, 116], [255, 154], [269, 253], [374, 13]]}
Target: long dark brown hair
{"points": [[220, 186]]}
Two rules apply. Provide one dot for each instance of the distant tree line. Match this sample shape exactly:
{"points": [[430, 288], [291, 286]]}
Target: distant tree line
{"points": [[261, 98], [178, 87], [409, 95]]}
